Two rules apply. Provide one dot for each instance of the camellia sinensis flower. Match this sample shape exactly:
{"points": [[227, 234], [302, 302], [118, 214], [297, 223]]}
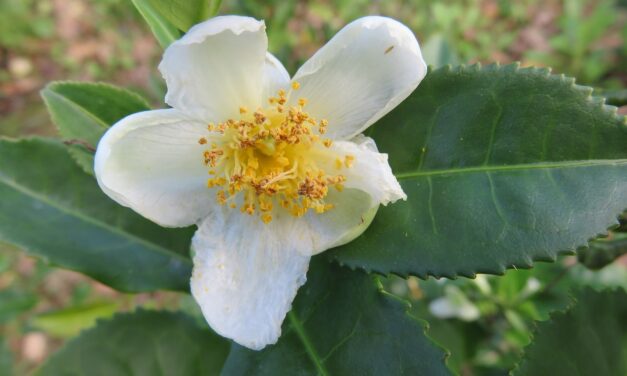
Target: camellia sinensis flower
{"points": [[272, 170]]}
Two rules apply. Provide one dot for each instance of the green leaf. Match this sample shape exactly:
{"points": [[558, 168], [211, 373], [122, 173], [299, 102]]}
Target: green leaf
{"points": [[184, 14], [214, 7], [83, 111], [52, 209], [342, 323], [603, 252], [141, 343], [502, 166], [165, 32], [589, 339], [68, 322], [14, 302]]}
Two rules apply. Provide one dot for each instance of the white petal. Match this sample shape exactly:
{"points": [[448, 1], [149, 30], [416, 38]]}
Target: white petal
{"points": [[370, 171], [246, 274], [361, 74], [151, 162], [353, 212], [216, 68], [275, 77]]}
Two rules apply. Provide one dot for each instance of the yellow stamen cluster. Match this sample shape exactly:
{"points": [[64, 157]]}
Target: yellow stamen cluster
{"points": [[271, 157]]}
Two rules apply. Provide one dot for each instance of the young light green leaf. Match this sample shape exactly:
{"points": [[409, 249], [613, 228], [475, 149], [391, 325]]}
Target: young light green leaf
{"points": [[502, 166], [165, 32], [184, 14], [52, 209], [83, 111], [342, 323], [68, 322], [141, 343], [588, 339]]}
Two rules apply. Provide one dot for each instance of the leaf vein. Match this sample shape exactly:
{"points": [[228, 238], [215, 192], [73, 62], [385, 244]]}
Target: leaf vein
{"points": [[507, 168]]}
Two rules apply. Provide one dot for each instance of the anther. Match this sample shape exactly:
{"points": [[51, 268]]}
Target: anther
{"points": [[348, 160], [266, 156]]}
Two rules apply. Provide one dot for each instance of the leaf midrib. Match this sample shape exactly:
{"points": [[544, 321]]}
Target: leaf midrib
{"points": [[515, 167], [42, 199], [79, 108], [309, 348]]}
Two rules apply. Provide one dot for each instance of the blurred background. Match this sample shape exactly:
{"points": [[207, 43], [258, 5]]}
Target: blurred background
{"points": [[484, 322]]}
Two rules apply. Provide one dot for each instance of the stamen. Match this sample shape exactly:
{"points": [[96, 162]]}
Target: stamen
{"points": [[270, 157]]}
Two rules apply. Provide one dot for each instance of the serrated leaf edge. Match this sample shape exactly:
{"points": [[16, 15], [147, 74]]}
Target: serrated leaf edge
{"points": [[528, 262]]}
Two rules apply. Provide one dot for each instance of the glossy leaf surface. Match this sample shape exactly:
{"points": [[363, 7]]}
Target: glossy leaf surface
{"points": [[164, 31], [502, 166]]}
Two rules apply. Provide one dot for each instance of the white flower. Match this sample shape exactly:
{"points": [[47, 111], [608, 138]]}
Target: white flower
{"points": [[272, 170]]}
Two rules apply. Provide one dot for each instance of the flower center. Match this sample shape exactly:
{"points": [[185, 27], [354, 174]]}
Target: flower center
{"points": [[273, 157]]}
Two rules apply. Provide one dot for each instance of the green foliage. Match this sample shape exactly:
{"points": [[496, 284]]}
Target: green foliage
{"points": [[6, 359], [165, 32], [509, 306], [575, 50], [502, 166], [141, 343], [83, 111], [343, 323], [588, 339], [604, 251], [485, 322], [17, 21], [52, 209], [13, 302]]}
